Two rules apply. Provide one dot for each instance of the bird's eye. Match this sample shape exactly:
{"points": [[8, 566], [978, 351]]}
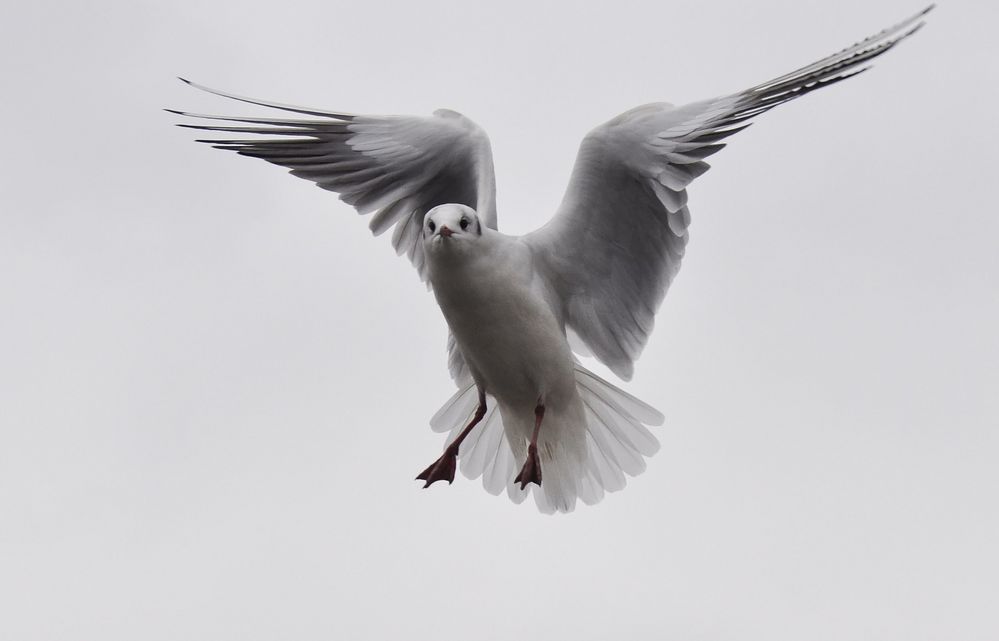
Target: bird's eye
{"points": [[463, 223], [431, 226]]}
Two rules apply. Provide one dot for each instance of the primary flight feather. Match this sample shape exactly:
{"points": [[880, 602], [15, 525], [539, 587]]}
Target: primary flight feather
{"points": [[527, 417]]}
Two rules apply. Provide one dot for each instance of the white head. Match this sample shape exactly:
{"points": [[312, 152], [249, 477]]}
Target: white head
{"points": [[451, 228]]}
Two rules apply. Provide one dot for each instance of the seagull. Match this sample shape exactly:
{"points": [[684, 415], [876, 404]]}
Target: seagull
{"points": [[527, 417]]}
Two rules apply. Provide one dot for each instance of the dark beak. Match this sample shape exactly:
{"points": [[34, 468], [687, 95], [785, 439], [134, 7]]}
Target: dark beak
{"points": [[446, 231]]}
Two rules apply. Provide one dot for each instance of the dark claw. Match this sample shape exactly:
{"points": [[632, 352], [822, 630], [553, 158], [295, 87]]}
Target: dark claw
{"points": [[440, 470], [531, 472]]}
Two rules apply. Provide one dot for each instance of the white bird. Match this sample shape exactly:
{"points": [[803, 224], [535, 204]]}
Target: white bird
{"points": [[527, 416]]}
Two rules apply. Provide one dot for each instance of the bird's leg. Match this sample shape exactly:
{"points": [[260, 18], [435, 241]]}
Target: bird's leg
{"points": [[443, 468], [531, 472]]}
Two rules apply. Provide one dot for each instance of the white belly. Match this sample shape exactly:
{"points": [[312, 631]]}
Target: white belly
{"points": [[506, 329]]}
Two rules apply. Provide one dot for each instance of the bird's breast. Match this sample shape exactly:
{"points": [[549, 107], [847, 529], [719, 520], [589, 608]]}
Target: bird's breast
{"points": [[505, 327]]}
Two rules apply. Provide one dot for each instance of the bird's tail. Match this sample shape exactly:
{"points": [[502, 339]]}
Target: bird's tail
{"points": [[583, 455]]}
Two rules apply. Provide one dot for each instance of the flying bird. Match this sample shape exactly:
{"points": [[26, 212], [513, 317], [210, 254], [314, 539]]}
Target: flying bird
{"points": [[527, 416]]}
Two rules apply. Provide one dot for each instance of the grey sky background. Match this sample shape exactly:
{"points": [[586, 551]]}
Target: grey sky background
{"points": [[215, 385]]}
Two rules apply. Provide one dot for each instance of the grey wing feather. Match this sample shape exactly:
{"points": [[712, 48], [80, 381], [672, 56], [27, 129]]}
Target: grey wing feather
{"points": [[456, 364], [396, 168], [617, 240]]}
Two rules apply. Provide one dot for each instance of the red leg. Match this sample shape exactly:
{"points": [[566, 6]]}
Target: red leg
{"points": [[531, 472], [443, 468]]}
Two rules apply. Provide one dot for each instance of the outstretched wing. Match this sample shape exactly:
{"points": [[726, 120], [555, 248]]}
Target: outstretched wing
{"points": [[396, 167], [617, 240]]}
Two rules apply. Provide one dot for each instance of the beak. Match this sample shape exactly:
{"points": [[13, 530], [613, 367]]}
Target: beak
{"points": [[446, 231]]}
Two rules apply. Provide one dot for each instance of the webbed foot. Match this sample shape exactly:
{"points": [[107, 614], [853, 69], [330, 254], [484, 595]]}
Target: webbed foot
{"points": [[531, 472], [440, 470]]}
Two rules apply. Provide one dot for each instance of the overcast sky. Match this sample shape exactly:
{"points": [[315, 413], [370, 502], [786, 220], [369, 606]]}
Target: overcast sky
{"points": [[215, 386]]}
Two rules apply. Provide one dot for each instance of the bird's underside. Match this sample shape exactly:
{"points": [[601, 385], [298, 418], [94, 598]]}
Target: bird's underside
{"points": [[605, 260]]}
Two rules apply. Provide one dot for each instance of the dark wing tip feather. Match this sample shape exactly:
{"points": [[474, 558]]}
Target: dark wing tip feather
{"points": [[869, 47], [919, 25], [273, 105]]}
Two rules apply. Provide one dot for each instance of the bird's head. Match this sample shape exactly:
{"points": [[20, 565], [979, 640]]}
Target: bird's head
{"points": [[451, 228]]}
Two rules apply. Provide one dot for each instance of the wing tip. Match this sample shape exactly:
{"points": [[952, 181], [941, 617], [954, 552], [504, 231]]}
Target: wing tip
{"points": [[917, 27], [271, 105]]}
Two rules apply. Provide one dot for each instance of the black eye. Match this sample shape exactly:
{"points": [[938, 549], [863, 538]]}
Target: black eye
{"points": [[431, 225], [463, 223]]}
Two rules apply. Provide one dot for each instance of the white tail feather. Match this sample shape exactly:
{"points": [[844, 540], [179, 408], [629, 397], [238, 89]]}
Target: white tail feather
{"points": [[577, 461], [459, 407]]}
